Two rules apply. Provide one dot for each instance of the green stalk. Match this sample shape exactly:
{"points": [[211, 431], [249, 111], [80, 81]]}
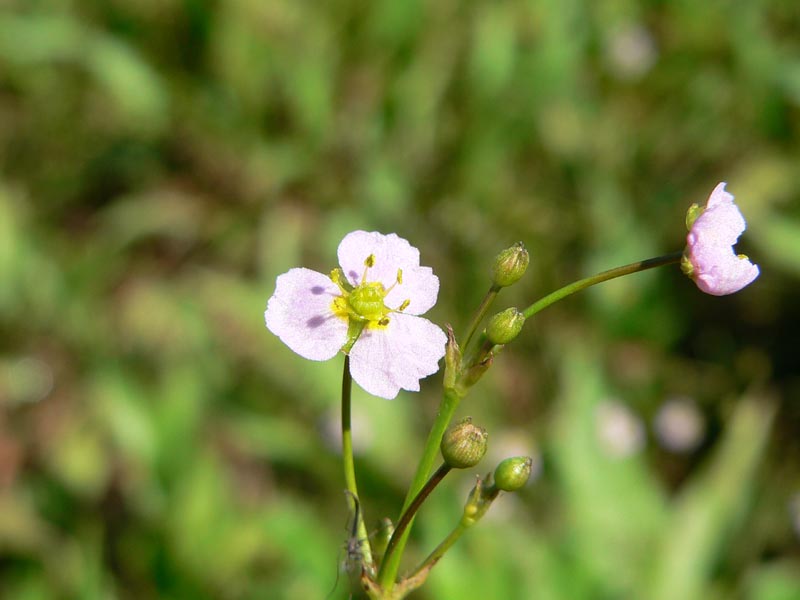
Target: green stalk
{"points": [[482, 309], [582, 284], [391, 561], [390, 566], [408, 514], [440, 550], [480, 500], [349, 463]]}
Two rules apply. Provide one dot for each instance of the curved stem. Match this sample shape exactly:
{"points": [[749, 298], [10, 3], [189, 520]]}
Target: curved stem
{"points": [[481, 499], [440, 550], [349, 463], [391, 563], [452, 397], [412, 509], [586, 282], [481, 312]]}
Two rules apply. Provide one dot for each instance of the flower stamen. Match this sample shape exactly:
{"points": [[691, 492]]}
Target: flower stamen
{"points": [[365, 303], [397, 281], [369, 262], [337, 277]]}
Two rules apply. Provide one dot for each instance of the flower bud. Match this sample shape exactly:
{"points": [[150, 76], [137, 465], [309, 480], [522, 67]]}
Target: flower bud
{"points": [[382, 537], [513, 473], [464, 444], [505, 326], [452, 359], [510, 265], [472, 374], [478, 502]]}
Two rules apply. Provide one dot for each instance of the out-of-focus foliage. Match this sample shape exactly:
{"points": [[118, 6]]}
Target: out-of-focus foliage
{"points": [[161, 161]]}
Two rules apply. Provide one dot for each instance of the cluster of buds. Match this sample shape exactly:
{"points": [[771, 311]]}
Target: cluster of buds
{"points": [[462, 372]]}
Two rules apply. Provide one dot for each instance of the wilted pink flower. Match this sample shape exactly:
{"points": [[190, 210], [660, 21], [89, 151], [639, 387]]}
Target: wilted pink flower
{"points": [[709, 258], [380, 287]]}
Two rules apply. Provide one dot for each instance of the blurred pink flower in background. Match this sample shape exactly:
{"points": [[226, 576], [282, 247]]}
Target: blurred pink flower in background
{"points": [[709, 258]]}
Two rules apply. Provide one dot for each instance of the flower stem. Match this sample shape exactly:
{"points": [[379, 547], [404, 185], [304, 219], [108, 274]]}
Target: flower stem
{"points": [[481, 499], [586, 282], [452, 397], [440, 550], [391, 562], [349, 463], [409, 513], [481, 312]]}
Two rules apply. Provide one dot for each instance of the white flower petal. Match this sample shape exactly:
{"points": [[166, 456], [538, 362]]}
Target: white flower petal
{"points": [[420, 286], [384, 361], [300, 314], [391, 253]]}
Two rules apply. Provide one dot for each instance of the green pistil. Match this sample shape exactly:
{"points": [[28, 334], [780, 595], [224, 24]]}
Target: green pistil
{"points": [[366, 301], [364, 305]]}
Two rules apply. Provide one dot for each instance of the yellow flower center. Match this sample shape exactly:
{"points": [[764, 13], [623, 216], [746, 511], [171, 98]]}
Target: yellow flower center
{"points": [[364, 305]]}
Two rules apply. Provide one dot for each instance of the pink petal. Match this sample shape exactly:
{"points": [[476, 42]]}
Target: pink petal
{"points": [[300, 314], [384, 361], [391, 252], [721, 223], [727, 276], [719, 196], [717, 269]]}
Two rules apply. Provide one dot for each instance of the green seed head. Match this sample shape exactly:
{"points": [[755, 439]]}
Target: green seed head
{"points": [[505, 326], [510, 265], [464, 444], [513, 473]]}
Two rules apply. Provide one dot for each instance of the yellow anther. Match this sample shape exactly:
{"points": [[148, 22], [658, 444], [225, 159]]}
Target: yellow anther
{"points": [[397, 281], [337, 277], [365, 301], [369, 262], [404, 305]]}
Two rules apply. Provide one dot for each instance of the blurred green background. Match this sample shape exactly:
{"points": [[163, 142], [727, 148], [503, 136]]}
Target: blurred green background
{"points": [[161, 161]]}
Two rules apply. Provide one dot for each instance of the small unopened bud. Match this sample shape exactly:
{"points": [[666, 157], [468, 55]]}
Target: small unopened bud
{"points": [[478, 502], [513, 473], [510, 265], [472, 374], [505, 326], [452, 359], [382, 537], [464, 444]]}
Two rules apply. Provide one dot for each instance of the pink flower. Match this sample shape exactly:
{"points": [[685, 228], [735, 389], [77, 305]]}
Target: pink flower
{"points": [[709, 258], [375, 298]]}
